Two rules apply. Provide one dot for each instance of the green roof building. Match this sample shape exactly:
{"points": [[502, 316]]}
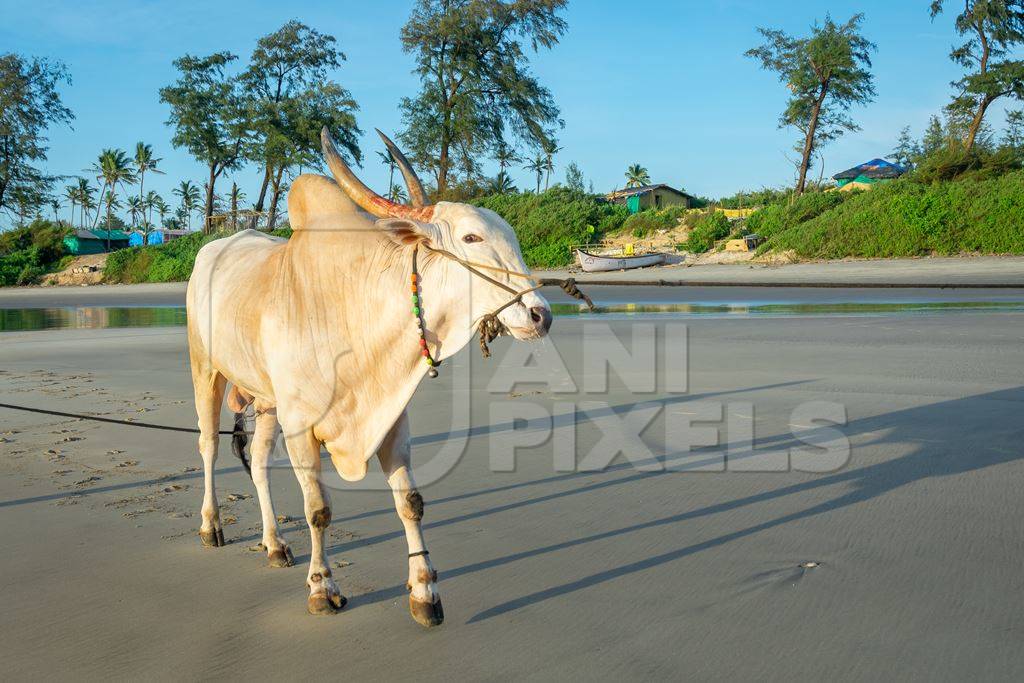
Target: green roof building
{"points": [[81, 242]]}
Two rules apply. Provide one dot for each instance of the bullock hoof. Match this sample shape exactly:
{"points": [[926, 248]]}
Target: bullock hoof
{"points": [[322, 603], [282, 557], [426, 613], [213, 538]]}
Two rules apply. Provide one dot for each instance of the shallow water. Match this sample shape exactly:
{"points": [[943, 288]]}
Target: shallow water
{"points": [[786, 309], [93, 317], [101, 317]]}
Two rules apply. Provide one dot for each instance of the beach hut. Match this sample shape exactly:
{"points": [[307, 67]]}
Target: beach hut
{"points": [[657, 196], [869, 173], [156, 236], [82, 241]]}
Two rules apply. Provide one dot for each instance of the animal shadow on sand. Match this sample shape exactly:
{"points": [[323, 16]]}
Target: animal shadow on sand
{"points": [[948, 438]]}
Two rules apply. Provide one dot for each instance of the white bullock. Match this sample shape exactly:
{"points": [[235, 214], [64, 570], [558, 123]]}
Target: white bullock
{"points": [[318, 332]]}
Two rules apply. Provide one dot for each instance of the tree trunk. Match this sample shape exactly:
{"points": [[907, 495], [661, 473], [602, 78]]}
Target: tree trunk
{"points": [[108, 225], [209, 199], [142, 180], [979, 116], [258, 207], [99, 207], [805, 162], [442, 171], [275, 197]]}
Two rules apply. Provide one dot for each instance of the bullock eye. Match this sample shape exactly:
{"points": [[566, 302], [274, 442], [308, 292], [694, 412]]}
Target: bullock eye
{"points": [[471, 238]]}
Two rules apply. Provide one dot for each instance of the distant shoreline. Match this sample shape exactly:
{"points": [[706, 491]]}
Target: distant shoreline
{"points": [[974, 272]]}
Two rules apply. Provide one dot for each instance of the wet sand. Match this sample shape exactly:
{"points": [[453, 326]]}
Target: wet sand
{"points": [[619, 574], [970, 270]]}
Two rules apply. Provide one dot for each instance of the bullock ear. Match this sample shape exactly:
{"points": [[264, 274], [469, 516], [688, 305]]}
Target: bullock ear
{"points": [[403, 231]]}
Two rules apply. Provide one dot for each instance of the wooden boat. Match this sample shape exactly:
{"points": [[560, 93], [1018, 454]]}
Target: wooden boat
{"points": [[599, 263]]}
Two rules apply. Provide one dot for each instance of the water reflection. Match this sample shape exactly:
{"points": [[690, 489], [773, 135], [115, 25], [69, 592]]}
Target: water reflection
{"points": [[100, 317], [865, 308]]}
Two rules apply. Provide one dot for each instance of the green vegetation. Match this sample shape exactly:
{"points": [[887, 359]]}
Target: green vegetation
{"points": [[170, 262], [642, 224], [548, 223], [908, 218], [708, 229], [28, 253], [775, 218], [826, 73]]}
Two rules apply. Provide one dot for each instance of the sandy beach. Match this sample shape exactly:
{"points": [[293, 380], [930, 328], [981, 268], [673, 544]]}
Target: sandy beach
{"points": [[630, 571]]}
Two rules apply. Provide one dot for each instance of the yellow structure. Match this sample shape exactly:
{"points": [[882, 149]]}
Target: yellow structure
{"points": [[747, 243], [737, 213]]}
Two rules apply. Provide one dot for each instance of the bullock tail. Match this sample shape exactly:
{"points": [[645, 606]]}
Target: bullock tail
{"points": [[238, 401]]}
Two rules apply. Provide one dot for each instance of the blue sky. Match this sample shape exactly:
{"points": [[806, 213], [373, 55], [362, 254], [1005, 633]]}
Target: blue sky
{"points": [[663, 83]]}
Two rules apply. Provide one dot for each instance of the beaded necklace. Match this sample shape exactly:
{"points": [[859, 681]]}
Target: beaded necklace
{"points": [[490, 326], [417, 311]]}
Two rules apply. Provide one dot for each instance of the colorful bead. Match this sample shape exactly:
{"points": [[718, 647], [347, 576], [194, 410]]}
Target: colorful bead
{"points": [[428, 360], [426, 354], [415, 310], [423, 342], [415, 299]]}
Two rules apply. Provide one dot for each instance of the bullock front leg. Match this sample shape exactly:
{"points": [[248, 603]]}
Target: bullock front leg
{"points": [[264, 435], [209, 393], [424, 599], [304, 451]]}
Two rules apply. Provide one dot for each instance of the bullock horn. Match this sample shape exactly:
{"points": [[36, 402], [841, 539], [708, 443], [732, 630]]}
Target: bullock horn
{"points": [[416, 194], [370, 201]]}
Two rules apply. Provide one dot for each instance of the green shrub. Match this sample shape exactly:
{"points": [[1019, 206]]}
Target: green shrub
{"points": [[954, 162], [169, 262], [907, 218], [28, 253], [708, 229], [772, 219], [548, 223], [642, 224]]}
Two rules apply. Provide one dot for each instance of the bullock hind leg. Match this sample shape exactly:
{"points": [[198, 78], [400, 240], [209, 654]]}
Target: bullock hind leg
{"points": [[264, 435], [424, 599], [209, 390], [304, 452]]}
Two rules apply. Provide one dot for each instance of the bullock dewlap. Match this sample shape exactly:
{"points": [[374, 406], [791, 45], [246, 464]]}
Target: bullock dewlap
{"points": [[329, 333]]}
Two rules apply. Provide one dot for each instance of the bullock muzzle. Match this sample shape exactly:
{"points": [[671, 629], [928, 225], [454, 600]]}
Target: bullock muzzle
{"points": [[528, 319]]}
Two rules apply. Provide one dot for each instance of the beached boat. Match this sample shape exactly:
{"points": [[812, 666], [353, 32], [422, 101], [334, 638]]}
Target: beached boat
{"points": [[598, 263]]}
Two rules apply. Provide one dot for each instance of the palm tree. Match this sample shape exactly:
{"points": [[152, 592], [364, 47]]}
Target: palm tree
{"points": [[389, 161], [550, 150], [86, 195], [55, 205], [112, 202], [150, 203], [637, 176], [144, 161], [71, 194], [162, 208], [235, 197], [189, 194], [505, 156], [538, 166], [113, 168], [501, 184], [398, 194], [136, 209]]}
